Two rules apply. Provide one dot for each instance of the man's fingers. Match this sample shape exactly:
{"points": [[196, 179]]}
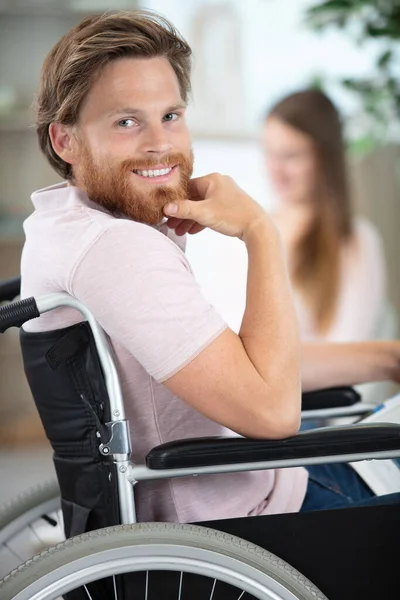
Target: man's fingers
{"points": [[196, 228], [177, 210], [182, 209], [182, 226], [198, 186], [173, 223]]}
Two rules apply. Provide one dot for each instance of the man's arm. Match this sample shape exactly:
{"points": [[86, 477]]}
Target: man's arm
{"points": [[248, 382], [334, 364]]}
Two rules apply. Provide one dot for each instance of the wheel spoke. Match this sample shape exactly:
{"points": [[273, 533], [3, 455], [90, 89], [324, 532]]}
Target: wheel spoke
{"points": [[35, 534], [88, 593], [49, 520], [180, 586], [115, 588]]}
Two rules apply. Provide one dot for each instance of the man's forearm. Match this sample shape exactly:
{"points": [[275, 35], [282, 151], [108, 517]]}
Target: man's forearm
{"points": [[334, 364], [269, 330]]}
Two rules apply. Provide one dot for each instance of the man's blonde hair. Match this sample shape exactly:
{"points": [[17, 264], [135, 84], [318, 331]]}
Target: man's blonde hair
{"points": [[72, 65]]}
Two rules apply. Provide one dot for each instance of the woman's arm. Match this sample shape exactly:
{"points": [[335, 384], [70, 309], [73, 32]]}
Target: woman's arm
{"points": [[327, 365]]}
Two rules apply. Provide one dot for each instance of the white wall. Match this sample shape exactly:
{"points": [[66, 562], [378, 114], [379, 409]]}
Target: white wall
{"points": [[220, 263], [278, 52], [278, 55]]}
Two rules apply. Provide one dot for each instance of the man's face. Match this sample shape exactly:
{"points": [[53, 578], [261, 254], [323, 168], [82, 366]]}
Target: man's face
{"points": [[133, 146]]}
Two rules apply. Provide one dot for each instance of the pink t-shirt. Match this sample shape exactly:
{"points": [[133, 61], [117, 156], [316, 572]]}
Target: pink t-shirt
{"points": [[139, 285]]}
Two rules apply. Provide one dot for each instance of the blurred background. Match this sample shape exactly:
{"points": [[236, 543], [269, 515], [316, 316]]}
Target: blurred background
{"points": [[247, 55]]}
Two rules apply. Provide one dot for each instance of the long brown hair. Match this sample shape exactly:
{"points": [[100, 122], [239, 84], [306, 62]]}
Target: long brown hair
{"points": [[71, 66], [316, 269]]}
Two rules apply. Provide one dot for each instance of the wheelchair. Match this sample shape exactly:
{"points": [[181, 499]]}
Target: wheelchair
{"points": [[335, 554]]}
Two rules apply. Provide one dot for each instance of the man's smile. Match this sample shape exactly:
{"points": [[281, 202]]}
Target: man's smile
{"points": [[158, 174]]}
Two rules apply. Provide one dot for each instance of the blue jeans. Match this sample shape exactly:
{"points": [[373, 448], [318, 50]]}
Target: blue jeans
{"points": [[339, 486]]}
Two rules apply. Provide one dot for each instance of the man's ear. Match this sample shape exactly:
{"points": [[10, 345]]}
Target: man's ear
{"points": [[64, 142]]}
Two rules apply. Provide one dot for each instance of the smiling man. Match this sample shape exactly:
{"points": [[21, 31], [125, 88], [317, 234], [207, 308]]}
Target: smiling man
{"points": [[111, 121], [132, 148]]}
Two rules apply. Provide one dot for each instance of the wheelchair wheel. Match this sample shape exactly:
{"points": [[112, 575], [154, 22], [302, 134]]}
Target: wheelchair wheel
{"points": [[226, 565], [29, 523]]}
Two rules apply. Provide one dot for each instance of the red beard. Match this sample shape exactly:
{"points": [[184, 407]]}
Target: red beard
{"points": [[112, 187]]}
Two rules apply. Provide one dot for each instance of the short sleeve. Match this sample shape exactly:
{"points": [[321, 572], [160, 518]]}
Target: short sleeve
{"points": [[139, 286]]}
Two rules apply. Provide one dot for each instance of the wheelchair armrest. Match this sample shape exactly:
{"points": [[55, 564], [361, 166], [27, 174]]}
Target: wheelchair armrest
{"points": [[10, 289], [327, 441], [330, 398]]}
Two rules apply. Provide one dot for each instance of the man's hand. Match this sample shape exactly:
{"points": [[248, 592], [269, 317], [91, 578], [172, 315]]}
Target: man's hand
{"points": [[184, 226], [218, 203]]}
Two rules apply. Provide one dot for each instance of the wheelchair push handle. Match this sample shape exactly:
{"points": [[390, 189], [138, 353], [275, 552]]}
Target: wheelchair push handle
{"points": [[18, 313]]}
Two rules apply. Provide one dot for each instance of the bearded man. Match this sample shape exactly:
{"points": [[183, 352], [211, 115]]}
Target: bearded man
{"points": [[111, 121]]}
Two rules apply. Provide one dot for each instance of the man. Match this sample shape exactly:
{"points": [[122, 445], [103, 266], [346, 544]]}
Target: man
{"points": [[111, 120]]}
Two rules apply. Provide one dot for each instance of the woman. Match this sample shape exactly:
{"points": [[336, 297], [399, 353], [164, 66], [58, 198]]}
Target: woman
{"points": [[336, 261]]}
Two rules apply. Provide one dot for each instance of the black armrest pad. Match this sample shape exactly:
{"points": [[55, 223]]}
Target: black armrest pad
{"points": [[10, 289], [327, 441], [330, 398]]}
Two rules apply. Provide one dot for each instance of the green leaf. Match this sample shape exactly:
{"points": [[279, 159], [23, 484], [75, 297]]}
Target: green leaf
{"points": [[387, 31], [363, 146], [385, 59], [332, 12], [379, 96], [357, 85], [332, 5], [317, 82]]}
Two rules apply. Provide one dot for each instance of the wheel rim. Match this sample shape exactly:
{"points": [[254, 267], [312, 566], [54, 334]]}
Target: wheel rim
{"points": [[49, 507], [31, 532], [157, 557]]}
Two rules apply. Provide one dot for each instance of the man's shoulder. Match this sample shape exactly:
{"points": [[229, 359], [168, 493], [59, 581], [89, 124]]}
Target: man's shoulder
{"points": [[131, 246], [125, 232], [68, 212]]}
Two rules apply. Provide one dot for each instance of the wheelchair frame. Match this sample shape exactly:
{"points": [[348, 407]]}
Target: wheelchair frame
{"points": [[119, 444]]}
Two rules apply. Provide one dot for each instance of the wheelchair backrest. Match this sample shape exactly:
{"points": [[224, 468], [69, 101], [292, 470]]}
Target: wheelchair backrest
{"points": [[66, 381]]}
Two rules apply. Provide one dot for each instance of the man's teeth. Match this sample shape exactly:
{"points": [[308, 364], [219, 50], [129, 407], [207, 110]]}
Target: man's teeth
{"points": [[154, 173]]}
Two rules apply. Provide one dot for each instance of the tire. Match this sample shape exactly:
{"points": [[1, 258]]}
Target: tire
{"points": [[157, 546], [22, 519]]}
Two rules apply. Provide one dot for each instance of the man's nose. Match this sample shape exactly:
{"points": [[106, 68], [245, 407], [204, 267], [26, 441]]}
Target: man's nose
{"points": [[156, 139]]}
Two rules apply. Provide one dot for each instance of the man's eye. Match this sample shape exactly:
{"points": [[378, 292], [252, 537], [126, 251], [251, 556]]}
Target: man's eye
{"points": [[125, 123], [171, 117]]}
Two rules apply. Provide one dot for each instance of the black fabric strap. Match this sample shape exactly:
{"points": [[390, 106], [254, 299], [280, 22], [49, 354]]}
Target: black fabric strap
{"points": [[73, 342]]}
